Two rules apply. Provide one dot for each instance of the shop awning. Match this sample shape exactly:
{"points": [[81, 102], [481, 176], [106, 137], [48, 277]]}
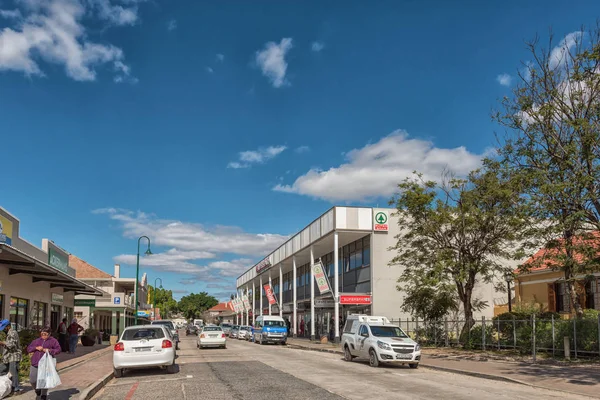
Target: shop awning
{"points": [[18, 262]]}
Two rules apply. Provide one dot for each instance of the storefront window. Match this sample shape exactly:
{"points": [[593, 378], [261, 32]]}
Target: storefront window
{"points": [[39, 310], [54, 317], [19, 311], [69, 314]]}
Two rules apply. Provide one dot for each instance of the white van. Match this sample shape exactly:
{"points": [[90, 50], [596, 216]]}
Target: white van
{"points": [[379, 341], [270, 329]]}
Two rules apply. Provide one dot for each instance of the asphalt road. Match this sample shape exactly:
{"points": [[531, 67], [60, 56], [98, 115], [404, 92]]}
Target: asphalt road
{"points": [[249, 371]]}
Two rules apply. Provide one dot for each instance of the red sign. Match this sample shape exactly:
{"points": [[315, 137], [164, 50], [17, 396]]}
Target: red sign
{"points": [[350, 299], [270, 295], [381, 227]]}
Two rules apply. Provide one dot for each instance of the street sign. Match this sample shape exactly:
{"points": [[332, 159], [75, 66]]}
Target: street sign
{"points": [[117, 300], [324, 303], [380, 222], [269, 293], [320, 277], [355, 299]]}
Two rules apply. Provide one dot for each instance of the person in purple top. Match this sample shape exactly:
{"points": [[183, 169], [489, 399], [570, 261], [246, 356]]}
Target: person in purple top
{"points": [[36, 349]]}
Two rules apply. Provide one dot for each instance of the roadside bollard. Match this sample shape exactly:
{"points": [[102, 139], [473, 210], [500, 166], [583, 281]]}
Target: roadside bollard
{"points": [[567, 342]]}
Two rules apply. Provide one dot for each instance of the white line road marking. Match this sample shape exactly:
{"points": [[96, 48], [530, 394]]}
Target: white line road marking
{"points": [[189, 376]]}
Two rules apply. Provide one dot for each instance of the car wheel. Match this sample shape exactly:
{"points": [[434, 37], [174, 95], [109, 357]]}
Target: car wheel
{"points": [[171, 369], [118, 372], [347, 354], [413, 366], [373, 360], [283, 343]]}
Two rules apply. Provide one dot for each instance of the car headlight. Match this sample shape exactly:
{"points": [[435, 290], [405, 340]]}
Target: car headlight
{"points": [[383, 345], [417, 347]]}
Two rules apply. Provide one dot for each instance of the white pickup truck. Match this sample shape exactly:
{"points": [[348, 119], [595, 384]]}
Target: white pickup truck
{"points": [[376, 339]]}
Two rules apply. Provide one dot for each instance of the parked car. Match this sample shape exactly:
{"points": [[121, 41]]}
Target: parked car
{"points": [[234, 331], [270, 329], [191, 330], [169, 325], [379, 341], [144, 346], [212, 336], [226, 328], [243, 332]]}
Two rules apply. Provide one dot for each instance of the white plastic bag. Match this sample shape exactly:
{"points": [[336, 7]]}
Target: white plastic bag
{"points": [[47, 377], [5, 385]]}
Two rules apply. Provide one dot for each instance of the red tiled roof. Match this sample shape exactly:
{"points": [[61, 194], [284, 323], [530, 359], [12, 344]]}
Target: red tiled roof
{"points": [[222, 307], [85, 270], [547, 258]]}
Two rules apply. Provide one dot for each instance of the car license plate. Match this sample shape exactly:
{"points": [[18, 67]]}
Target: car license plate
{"points": [[213, 336], [140, 349], [403, 356]]}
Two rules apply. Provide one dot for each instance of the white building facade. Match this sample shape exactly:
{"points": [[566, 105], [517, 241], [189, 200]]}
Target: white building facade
{"points": [[37, 286], [353, 244]]}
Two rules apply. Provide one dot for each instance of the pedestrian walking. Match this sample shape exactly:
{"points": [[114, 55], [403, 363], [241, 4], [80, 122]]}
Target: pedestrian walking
{"points": [[36, 349], [62, 336], [73, 331], [11, 353]]}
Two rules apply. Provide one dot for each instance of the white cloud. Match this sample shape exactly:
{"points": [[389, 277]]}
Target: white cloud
{"points": [[51, 31], [317, 46], [172, 25], [190, 245], [190, 241], [504, 79], [11, 14], [559, 55], [375, 170], [302, 149], [271, 61], [220, 57], [116, 14], [247, 158], [210, 70]]}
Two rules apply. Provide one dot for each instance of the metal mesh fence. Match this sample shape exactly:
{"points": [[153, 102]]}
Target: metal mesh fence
{"points": [[556, 337]]}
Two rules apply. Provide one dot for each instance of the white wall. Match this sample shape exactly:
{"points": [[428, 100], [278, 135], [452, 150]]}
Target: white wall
{"points": [[21, 286]]}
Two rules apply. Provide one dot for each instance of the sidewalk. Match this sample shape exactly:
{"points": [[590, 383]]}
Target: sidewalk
{"points": [[79, 373], [581, 379]]}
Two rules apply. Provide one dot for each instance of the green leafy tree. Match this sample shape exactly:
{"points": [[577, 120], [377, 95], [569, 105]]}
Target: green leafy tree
{"points": [[193, 305], [454, 234], [164, 300], [552, 144]]}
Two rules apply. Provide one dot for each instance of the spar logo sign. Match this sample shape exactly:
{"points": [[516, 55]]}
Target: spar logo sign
{"points": [[380, 222]]}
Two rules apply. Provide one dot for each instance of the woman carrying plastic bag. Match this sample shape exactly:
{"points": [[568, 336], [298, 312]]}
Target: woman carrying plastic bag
{"points": [[43, 375]]}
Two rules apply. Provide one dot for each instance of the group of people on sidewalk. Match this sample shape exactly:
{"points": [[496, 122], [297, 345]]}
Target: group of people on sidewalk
{"points": [[11, 352]]}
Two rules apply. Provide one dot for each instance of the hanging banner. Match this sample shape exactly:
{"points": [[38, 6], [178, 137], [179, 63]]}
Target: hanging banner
{"points": [[321, 278], [270, 295], [246, 302], [236, 303]]}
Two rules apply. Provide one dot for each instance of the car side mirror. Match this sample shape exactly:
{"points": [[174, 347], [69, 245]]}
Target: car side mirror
{"points": [[365, 335]]}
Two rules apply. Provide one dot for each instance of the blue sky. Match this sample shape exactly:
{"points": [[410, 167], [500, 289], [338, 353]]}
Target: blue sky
{"points": [[219, 128]]}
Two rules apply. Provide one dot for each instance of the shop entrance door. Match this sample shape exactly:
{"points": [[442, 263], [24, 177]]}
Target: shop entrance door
{"points": [[54, 317]]}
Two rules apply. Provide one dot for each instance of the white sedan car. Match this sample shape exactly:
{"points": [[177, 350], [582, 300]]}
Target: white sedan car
{"points": [[144, 346], [212, 336]]}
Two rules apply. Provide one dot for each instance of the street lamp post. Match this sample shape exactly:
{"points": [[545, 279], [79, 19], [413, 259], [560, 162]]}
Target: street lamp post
{"points": [[154, 296], [137, 274]]}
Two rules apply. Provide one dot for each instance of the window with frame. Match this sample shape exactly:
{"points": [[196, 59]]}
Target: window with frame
{"points": [[563, 303], [592, 297], [19, 311], [39, 311]]}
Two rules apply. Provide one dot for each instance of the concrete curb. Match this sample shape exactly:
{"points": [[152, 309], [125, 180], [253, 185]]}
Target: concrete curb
{"points": [[300, 347], [90, 391]]}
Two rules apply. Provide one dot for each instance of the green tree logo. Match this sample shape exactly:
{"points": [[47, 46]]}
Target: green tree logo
{"points": [[381, 218]]}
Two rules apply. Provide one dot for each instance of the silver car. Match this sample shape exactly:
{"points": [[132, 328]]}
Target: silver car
{"points": [[244, 332]]}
